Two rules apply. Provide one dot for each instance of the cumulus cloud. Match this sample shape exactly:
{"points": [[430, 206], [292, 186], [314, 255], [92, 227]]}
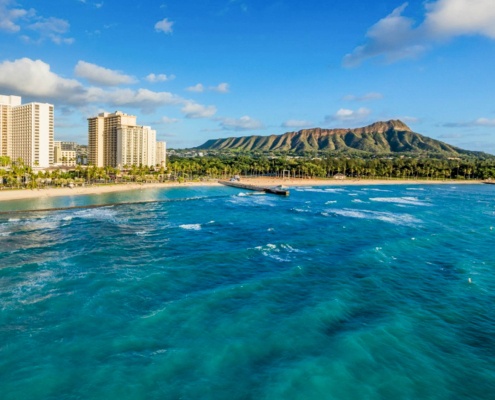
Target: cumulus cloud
{"points": [[34, 79], [194, 110], [198, 88], [101, 76], [346, 115], [154, 78], [221, 88], [295, 123], [240, 124], [164, 26], [398, 37], [365, 97]]}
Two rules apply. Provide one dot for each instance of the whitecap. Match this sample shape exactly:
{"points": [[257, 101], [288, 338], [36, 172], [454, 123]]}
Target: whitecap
{"points": [[14, 219], [191, 227], [331, 202], [335, 190], [413, 201], [394, 218]]}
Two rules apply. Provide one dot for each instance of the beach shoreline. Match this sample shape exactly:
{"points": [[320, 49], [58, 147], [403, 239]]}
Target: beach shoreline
{"points": [[23, 194]]}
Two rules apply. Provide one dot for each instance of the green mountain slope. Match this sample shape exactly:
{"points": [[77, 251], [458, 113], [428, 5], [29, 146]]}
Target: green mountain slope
{"points": [[379, 138]]}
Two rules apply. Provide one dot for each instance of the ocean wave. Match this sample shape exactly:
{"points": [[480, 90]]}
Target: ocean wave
{"points": [[191, 227], [394, 218], [331, 202], [412, 201], [278, 252]]}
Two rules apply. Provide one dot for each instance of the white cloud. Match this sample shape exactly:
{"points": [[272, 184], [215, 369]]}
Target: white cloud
{"points": [[461, 17], [346, 115], [164, 26], [101, 76], [397, 37], [154, 78], [198, 88], [50, 28], [241, 124], [195, 110], [221, 88], [365, 97], [8, 17], [294, 123], [485, 122], [34, 79]]}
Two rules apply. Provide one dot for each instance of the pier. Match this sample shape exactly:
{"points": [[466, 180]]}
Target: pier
{"points": [[271, 190]]}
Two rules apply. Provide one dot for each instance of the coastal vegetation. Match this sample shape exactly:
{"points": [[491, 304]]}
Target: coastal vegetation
{"points": [[379, 139], [181, 169]]}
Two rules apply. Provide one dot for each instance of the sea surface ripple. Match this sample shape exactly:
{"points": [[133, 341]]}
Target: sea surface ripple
{"points": [[383, 292]]}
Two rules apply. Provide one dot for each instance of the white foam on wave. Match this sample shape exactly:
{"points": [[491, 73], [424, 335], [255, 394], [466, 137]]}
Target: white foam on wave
{"points": [[412, 201], [103, 213], [331, 202], [14, 219], [394, 218], [313, 190], [191, 227], [278, 253], [359, 201], [335, 190], [418, 189]]}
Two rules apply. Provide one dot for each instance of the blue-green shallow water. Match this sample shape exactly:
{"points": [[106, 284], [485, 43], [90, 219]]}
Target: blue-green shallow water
{"points": [[331, 293]]}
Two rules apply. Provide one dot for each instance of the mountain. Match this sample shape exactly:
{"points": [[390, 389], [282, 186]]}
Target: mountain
{"points": [[392, 136]]}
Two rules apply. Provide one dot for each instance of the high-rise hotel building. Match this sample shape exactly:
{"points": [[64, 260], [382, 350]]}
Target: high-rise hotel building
{"points": [[116, 140], [26, 131]]}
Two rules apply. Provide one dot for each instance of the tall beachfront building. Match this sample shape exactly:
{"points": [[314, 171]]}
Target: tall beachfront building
{"points": [[116, 140], [102, 137], [6, 104], [136, 145], [27, 131], [161, 154]]}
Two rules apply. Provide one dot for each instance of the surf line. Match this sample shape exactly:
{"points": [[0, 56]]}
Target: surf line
{"points": [[89, 206]]}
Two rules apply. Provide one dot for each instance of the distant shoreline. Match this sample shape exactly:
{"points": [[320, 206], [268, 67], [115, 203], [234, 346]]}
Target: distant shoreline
{"points": [[23, 194]]}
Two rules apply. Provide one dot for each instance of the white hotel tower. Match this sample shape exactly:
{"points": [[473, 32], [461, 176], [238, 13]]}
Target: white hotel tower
{"points": [[26, 131], [115, 140]]}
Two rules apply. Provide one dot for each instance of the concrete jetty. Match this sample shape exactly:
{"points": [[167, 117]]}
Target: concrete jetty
{"points": [[272, 190]]}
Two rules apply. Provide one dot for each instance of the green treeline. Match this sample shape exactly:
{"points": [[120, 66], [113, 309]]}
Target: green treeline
{"points": [[404, 168], [17, 175]]}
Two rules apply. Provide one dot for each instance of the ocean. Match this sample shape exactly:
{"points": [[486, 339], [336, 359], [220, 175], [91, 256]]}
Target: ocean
{"points": [[349, 292]]}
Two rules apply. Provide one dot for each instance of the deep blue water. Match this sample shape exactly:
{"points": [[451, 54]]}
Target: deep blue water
{"points": [[331, 293]]}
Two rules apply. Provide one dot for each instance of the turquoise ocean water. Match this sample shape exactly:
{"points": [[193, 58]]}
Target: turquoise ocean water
{"points": [[356, 292]]}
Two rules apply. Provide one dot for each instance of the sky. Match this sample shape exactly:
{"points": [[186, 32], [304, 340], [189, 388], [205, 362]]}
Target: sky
{"points": [[198, 70]]}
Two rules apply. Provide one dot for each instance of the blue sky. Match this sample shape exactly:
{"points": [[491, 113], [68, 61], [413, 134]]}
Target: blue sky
{"points": [[197, 70]]}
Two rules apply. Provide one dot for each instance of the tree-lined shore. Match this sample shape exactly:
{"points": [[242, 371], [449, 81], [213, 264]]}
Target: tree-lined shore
{"points": [[182, 169]]}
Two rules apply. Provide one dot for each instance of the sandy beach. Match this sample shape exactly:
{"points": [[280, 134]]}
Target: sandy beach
{"points": [[18, 194]]}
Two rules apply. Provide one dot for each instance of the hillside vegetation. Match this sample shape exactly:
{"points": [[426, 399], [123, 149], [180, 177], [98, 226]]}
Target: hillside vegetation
{"points": [[388, 137]]}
